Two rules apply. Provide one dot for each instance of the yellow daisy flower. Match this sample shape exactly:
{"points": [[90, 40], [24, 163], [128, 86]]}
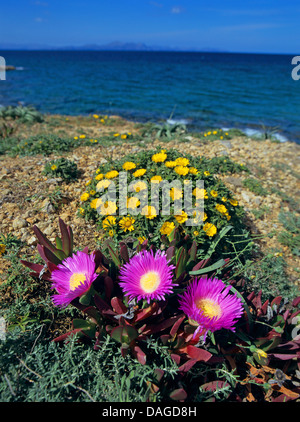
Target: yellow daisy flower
{"points": [[233, 202], [2, 248], [85, 196], [167, 228], [200, 193], [159, 157], [170, 164], [181, 161], [133, 202], [221, 208], [112, 174], [108, 222], [214, 193], [129, 165], [181, 218], [139, 186], [181, 170], [139, 173], [156, 179], [149, 212], [193, 170], [103, 184], [93, 203], [175, 193], [99, 176], [108, 208], [127, 224], [210, 229]]}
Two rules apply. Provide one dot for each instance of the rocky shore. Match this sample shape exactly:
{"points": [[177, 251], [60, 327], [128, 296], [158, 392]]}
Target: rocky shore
{"points": [[27, 197]]}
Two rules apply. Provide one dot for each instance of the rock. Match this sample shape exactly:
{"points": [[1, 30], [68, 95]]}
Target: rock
{"points": [[235, 181], [49, 230], [226, 144], [32, 241], [19, 223], [245, 196], [47, 207]]}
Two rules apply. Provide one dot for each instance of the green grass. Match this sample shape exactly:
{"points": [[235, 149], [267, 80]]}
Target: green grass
{"points": [[255, 186]]}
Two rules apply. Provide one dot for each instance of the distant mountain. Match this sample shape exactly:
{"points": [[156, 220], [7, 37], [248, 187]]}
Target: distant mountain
{"points": [[112, 46]]}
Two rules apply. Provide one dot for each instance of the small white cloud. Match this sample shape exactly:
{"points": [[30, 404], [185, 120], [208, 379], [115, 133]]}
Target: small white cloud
{"points": [[39, 20], [176, 10]]}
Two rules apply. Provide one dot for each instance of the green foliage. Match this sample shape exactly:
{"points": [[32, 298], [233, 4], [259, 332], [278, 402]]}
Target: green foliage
{"points": [[291, 236], [63, 168], [224, 165], [255, 186], [42, 144], [22, 114], [269, 275], [165, 130]]}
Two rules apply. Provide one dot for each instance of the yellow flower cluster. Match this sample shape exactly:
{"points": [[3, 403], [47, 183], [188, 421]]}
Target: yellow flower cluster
{"points": [[159, 157]]}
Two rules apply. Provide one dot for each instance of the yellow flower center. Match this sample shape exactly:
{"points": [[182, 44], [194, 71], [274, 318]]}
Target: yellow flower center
{"points": [[150, 282], [209, 308], [76, 279]]}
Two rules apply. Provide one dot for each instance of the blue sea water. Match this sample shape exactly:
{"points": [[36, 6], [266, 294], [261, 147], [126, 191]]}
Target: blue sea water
{"points": [[205, 90]]}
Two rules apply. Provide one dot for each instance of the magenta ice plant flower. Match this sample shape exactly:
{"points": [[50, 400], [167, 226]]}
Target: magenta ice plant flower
{"points": [[147, 276], [209, 305], [73, 278]]}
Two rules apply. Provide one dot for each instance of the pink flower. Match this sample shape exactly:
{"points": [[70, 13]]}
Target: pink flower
{"points": [[147, 276], [207, 303], [73, 278]]}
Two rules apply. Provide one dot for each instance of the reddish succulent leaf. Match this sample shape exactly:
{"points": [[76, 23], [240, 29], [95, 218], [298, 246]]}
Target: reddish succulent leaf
{"points": [[152, 329], [65, 336], [145, 313], [187, 365], [51, 257], [124, 334], [283, 356], [100, 303], [201, 264], [124, 252], [296, 301], [165, 338], [170, 252], [265, 307], [139, 354], [198, 354], [37, 268], [108, 287], [179, 394], [176, 358], [65, 237], [176, 326], [214, 385], [276, 301], [44, 241], [118, 305]]}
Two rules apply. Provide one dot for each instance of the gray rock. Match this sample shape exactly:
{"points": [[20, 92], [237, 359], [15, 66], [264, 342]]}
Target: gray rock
{"points": [[19, 223]]}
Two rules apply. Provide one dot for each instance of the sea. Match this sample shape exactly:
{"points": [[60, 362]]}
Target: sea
{"points": [[250, 92]]}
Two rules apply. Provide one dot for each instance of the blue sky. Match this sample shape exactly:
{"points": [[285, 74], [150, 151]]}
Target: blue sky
{"points": [[271, 26]]}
